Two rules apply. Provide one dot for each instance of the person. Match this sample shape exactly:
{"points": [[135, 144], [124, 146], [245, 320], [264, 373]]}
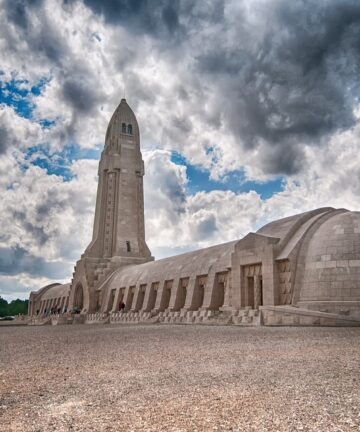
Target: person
{"points": [[121, 306]]}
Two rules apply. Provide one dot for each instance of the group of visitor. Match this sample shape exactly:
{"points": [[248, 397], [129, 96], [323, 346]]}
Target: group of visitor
{"points": [[52, 311]]}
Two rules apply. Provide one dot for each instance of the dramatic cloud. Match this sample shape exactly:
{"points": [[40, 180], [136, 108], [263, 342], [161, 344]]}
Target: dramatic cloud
{"points": [[244, 91], [286, 76], [16, 131], [140, 15]]}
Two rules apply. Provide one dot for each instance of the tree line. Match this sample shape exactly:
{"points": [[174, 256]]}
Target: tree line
{"points": [[15, 307]]}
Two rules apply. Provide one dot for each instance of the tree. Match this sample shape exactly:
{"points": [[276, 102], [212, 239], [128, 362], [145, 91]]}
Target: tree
{"points": [[3, 307], [18, 306], [15, 307]]}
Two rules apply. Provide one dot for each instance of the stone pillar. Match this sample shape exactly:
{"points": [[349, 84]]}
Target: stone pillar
{"points": [[128, 297], [134, 305], [190, 293], [139, 297], [209, 291], [269, 279], [233, 275], [115, 306], [159, 295], [175, 292], [151, 291], [257, 292]]}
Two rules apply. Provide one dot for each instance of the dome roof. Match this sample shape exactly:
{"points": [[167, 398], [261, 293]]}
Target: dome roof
{"points": [[328, 269], [123, 115]]}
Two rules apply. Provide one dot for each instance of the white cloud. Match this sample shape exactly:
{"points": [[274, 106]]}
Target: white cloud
{"points": [[86, 63], [17, 132]]}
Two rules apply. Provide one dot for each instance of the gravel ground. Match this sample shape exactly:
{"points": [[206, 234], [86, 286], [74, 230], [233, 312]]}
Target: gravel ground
{"points": [[179, 378]]}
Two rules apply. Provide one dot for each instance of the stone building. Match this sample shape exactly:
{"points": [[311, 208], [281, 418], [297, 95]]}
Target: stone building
{"points": [[300, 270]]}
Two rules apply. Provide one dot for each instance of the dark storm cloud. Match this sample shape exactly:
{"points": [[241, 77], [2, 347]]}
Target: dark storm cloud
{"points": [[139, 15], [294, 85], [17, 10], [36, 230], [41, 37], [17, 260], [183, 124], [285, 76], [79, 95], [161, 19]]}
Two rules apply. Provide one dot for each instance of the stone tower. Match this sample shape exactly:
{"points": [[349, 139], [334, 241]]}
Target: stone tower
{"points": [[119, 233]]}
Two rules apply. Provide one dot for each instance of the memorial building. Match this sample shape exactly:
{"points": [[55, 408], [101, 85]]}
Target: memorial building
{"points": [[300, 270]]}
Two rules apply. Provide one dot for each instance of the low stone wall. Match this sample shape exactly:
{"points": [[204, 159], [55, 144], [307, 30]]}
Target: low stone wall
{"points": [[134, 317], [40, 320], [97, 318], [292, 316], [195, 317], [246, 317], [265, 315]]}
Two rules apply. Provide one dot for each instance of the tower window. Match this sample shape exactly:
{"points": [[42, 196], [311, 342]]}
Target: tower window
{"points": [[128, 247], [129, 129], [123, 128]]}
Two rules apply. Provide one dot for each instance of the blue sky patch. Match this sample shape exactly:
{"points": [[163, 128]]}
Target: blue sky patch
{"points": [[59, 163], [17, 94], [199, 180]]}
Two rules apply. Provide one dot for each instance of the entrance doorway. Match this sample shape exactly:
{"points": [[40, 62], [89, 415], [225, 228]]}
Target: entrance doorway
{"points": [[252, 287], [250, 292], [79, 297], [111, 300]]}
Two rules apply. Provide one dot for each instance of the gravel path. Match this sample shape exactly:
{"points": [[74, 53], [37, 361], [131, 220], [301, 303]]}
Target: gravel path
{"points": [[179, 378]]}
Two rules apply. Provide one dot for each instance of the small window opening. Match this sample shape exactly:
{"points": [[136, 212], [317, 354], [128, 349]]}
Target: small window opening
{"points": [[123, 128], [129, 129], [128, 247]]}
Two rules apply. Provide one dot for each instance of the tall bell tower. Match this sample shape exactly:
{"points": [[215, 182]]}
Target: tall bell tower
{"points": [[119, 231]]}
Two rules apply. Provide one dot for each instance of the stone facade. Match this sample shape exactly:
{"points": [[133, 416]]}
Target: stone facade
{"points": [[300, 270]]}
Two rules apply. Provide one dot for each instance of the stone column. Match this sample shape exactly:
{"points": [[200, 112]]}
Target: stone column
{"points": [[190, 290], [175, 290], [137, 295], [231, 276], [159, 295], [115, 306], [152, 290], [127, 297], [209, 291], [257, 292]]}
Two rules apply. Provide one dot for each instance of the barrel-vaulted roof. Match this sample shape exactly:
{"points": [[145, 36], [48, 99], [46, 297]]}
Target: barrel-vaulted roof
{"points": [[57, 291], [198, 263]]}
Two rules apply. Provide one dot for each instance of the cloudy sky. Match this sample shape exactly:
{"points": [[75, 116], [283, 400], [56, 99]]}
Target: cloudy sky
{"points": [[248, 110]]}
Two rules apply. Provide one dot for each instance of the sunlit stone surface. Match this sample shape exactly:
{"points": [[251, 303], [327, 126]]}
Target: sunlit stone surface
{"points": [[301, 270]]}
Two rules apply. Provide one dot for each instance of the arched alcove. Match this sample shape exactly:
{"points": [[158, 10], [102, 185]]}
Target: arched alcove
{"points": [[79, 297]]}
